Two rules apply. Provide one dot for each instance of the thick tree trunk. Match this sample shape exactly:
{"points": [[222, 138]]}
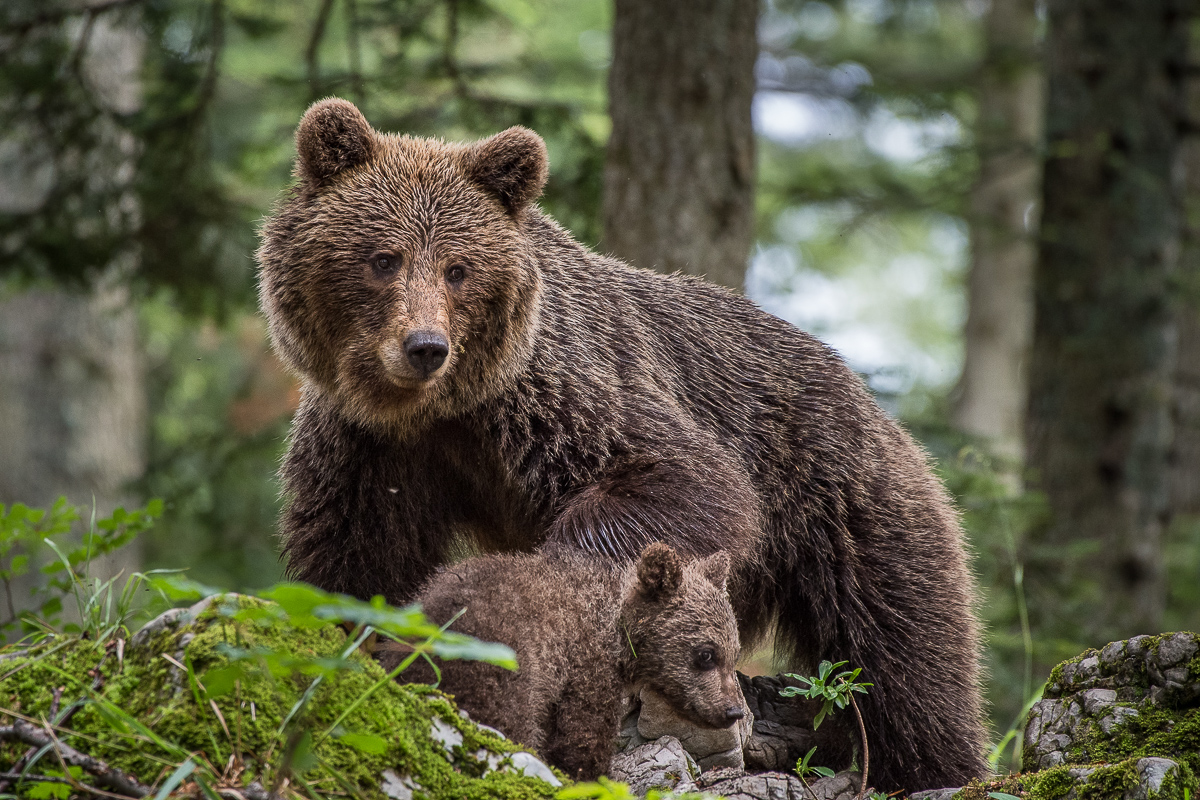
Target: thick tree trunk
{"points": [[993, 389], [72, 401], [1099, 429], [1185, 483], [679, 176]]}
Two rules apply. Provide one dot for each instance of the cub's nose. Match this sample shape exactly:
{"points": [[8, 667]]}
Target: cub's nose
{"points": [[426, 351], [734, 713]]}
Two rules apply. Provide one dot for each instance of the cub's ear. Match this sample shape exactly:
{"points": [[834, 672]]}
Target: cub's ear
{"points": [[715, 568], [513, 165], [659, 571], [333, 136]]}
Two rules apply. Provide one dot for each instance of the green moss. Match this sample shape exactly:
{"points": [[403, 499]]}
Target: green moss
{"points": [[1050, 784], [151, 689]]}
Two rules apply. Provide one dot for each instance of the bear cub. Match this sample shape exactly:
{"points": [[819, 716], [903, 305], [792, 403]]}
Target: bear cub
{"points": [[587, 633]]}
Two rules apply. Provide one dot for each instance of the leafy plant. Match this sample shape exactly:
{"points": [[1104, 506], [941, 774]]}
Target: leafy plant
{"points": [[833, 690], [104, 609], [102, 606], [806, 770]]}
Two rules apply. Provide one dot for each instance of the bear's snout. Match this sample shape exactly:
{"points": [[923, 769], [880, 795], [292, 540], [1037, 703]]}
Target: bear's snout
{"points": [[426, 351], [734, 713]]}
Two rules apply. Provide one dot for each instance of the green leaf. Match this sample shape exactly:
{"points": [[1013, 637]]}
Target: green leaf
{"points": [[220, 681], [824, 772], [1002, 796], [302, 757], [181, 772], [366, 742]]}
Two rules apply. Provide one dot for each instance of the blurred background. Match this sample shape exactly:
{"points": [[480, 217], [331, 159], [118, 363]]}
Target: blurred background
{"points": [[989, 209]]}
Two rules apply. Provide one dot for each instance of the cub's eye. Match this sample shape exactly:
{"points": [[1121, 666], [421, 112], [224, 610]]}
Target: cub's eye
{"points": [[385, 263], [705, 659], [456, 273]]}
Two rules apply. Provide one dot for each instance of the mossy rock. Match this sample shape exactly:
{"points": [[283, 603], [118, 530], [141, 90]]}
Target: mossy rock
{"points": [[428, 749], [1132, 699]]}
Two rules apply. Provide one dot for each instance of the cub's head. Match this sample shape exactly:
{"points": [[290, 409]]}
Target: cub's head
{"points": [[683, 634], [396, 277]]}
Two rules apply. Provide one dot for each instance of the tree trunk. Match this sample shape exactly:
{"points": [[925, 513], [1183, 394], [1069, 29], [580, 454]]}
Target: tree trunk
{"points": [[1099, 428], [679, 175], [72, 402], [1185, 483], [1003, 219]]}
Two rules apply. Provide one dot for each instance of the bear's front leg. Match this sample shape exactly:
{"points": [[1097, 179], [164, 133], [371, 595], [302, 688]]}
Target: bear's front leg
{"points": [[357, 519], [698, 501]]}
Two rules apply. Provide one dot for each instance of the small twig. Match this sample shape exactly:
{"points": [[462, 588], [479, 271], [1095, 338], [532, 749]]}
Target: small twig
{"points": [[31, 778], [106, 777], [862, 729]]}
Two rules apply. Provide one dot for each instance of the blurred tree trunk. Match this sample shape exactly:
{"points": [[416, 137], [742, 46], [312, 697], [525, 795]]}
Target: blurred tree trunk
{"points": [[72, 402], [992, 390], [679, 175], [1185, 483], [1099, 427]]}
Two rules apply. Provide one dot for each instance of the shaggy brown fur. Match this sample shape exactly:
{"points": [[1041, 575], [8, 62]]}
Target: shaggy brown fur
{"points": [[585, 632], [586, 403]]}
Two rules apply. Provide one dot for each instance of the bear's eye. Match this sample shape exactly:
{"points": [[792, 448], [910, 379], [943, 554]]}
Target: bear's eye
{"points": [[456, 273], [705, 659], [385, 263]]}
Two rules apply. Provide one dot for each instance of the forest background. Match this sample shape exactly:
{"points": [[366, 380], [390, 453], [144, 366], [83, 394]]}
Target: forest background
{"points": [[989, 208]]}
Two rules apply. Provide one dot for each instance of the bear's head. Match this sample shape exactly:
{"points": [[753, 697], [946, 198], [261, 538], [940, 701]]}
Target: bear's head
{"points": [[395, 277], [682, 635]]}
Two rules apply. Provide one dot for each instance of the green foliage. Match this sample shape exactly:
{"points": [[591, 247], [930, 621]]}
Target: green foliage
{"points": [[282, 651], [805, 770], [832, 690], [102, 607]]}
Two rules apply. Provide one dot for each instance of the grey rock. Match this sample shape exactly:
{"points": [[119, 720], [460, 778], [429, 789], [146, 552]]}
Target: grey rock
{"points": [[527, 764], [764, 786], [934, 794], [1112, 654], [1118, 717], [1095, 701], [712, 747], [1176, 675], [661, 764], [1151, 773], [396, 787], [1177, 649], [173, 618], [841, 786]]}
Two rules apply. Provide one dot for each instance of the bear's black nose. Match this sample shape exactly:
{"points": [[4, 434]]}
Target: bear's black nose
{"points": [[426, 350], [734, 713]]}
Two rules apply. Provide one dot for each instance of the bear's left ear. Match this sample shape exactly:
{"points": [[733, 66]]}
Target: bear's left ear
{"points": [[715, 568], [512, 165], [659, 571]]}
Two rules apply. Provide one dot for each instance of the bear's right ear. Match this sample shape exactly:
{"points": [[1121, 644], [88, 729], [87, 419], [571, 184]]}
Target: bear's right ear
{"points": [[333, 136], [659, 571], [513, 165]]}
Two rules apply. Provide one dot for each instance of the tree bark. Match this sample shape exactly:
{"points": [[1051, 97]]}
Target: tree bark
{"points": [[1185, 482], [679, 175], [1003, 219], [1099, 429], [73, 414]]}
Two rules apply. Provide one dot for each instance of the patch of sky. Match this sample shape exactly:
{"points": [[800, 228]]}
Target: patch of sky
{"points": [[796, 119], [908, 140], [893, 307]]}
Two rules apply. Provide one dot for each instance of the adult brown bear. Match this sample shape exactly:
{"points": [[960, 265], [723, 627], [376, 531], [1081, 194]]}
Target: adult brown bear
{"points": [[474, 378]]}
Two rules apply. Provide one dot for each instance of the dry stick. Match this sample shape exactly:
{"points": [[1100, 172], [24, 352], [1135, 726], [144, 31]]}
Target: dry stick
{"points": [[862, 729], [106, 777], [97, 682]]}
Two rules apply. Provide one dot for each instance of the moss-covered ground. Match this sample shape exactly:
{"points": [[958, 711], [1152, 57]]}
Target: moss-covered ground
{"points": [[244, 726]]}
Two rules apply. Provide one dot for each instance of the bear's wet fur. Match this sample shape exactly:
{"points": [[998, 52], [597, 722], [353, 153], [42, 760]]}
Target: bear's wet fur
{"points": [[586, 632], [574, 400]]}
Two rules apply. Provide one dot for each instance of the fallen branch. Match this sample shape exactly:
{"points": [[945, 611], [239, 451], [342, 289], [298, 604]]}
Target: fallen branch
{"points": [[106, 777]]}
